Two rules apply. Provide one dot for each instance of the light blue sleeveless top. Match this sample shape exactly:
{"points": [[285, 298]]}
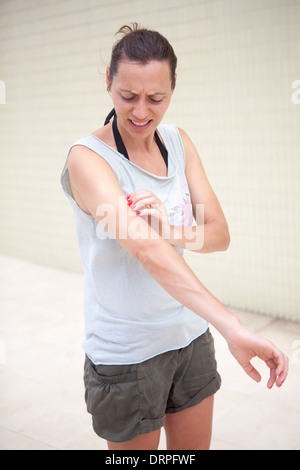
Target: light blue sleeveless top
{"points": [[129, 317]]}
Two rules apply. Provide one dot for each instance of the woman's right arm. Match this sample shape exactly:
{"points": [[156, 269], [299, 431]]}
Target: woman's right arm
{"points": [[97, 191]]}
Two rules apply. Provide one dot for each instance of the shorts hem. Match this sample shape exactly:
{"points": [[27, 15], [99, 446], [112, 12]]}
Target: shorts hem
{"points": [[210, 389], [145, 427], [150, 425]]}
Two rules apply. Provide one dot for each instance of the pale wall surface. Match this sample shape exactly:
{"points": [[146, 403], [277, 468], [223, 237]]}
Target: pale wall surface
{"points": [[234, 96]]}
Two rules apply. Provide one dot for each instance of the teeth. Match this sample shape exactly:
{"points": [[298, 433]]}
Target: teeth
{"points": [[140, 124]]}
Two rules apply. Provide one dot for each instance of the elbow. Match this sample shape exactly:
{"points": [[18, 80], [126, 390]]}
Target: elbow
{"points": [[225, 242], [222, 236], [222, 239], [219, 241], [147, 254], [153, 254]]}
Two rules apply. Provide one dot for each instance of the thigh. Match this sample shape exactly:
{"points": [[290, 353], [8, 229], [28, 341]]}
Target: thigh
{"points": [[191, 428], [147, 441]]}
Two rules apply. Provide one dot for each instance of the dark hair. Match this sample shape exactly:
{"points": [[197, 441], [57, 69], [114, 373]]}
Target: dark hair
{"points": [[142, 45]]}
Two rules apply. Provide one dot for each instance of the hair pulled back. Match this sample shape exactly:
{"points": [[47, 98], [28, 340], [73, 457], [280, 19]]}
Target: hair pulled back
{"points": [[142, 45]]}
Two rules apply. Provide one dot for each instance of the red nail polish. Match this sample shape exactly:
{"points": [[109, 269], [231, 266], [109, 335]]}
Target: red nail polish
{"points": [[128, 197], [137, 212], [129, 203]]}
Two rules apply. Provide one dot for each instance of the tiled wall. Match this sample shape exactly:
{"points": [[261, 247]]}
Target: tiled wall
{"points": [[238, 60]]}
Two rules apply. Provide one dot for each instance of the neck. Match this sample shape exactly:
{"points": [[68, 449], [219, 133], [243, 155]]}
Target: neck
{"points": [[145, 146]]}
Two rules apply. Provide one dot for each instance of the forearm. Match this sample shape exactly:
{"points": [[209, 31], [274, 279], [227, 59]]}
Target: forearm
{"points": [[206, 238], [165, 265]]}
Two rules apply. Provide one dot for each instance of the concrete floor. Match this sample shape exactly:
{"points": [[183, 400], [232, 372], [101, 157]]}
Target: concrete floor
{"points": [[41, 390]]}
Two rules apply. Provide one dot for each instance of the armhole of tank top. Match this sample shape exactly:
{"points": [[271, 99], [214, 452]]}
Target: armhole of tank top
{"points": [[65, 180], [171, 137]]}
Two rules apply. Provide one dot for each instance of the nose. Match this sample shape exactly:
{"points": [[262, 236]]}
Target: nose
{"points": [[140, 111]]}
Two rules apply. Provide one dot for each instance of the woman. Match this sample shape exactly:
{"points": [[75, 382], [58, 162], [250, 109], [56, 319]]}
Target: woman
{"points": [[135, 186]]}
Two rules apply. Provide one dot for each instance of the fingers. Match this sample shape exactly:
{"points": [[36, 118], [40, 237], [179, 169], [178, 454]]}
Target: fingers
{"points": [[142, 199], [282, 368], [252, 372], [142, 193], [272, 365], [278, 366], [276, 360], [144, 202], [248, 345]]}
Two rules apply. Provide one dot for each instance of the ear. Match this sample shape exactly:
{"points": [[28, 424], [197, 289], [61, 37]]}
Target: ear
{"points": [[108, 82], [175, 78]]}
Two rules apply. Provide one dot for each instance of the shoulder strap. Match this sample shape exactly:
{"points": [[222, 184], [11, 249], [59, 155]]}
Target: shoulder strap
{"points": [[110, 115], [121, 147], [118, 139], [162, 148]]}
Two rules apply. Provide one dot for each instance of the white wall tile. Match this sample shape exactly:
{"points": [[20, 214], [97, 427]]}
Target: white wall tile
{"points": [[237, 62]]}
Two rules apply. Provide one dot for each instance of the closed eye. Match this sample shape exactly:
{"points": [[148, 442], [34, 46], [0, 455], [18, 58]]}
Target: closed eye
{"points": [[131, 98], [156, 101], [128, 99]]}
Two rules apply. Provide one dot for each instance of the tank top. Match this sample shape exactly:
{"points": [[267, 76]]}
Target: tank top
{"points": [[129, 317]]}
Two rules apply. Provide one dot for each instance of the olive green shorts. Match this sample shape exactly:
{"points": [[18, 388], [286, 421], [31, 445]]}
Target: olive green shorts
{"points": [[128, 400]]}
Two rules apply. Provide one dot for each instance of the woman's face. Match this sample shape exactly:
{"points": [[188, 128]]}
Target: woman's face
{"points": [[141, 94]]}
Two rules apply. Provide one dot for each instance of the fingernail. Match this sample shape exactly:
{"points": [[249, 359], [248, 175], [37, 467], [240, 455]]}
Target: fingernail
{"points": [[129, 203], [128, 197], [137, 212]]}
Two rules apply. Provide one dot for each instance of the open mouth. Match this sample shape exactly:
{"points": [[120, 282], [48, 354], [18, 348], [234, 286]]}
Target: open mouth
{"points": [[140, 125]]}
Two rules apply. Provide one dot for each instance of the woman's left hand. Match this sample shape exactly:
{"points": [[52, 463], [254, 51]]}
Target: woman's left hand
{"points": [[145, 203], [245, 345]]}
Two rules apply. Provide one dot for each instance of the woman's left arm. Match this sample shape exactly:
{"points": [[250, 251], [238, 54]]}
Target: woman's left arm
{"points": [[210, 233], [211, 227]]}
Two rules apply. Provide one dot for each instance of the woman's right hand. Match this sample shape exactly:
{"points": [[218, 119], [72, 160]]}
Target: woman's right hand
{"points": [[147, 204]]}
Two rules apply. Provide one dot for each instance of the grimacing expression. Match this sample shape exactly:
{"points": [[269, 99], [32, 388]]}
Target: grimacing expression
{"points": [[141, 94]]}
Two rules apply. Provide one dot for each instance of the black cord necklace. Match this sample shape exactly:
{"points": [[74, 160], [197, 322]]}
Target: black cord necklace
{"points": [[120, 144]]}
